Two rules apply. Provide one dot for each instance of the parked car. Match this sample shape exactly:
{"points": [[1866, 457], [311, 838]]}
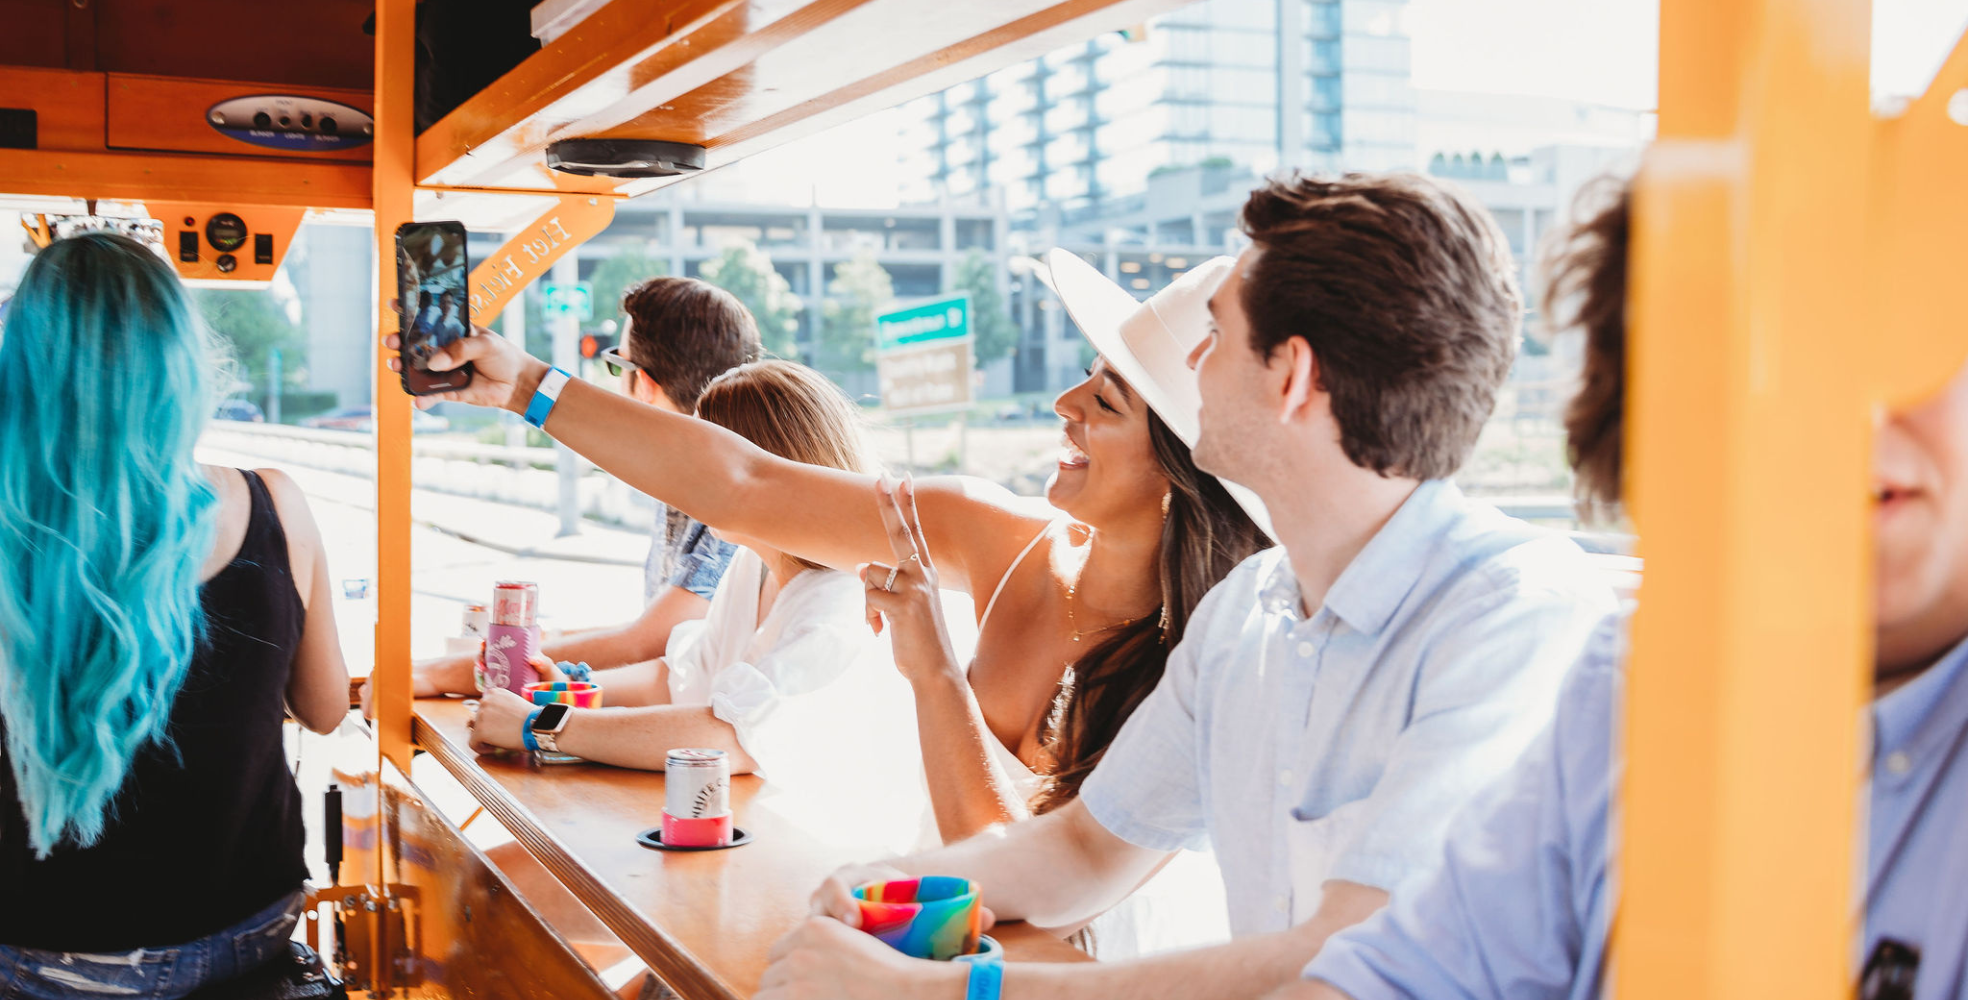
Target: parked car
{"points": [[239, 409], [362, 419]]}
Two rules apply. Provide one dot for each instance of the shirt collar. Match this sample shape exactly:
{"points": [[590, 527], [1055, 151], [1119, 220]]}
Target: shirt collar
{"points": [[1927, 709], [1374, 584]]}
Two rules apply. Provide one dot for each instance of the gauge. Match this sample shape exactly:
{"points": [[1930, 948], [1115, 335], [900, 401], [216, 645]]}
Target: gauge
{"points": [[226, 232]]}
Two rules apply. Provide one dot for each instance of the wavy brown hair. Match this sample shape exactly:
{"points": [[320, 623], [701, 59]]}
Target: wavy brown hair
{"points": [[1585, 289], [1204, 537]]}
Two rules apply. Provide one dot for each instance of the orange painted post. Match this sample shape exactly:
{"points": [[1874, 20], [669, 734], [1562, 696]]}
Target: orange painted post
{"points": [[395, 147], [1792, 272]]}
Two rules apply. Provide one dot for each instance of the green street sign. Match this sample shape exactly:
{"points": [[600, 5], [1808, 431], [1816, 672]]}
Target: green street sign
{"points": [[927, 322], [576, 300]]}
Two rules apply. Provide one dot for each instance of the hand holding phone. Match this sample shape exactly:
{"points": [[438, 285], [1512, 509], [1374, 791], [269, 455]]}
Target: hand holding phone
{"points": [[434, 308]]}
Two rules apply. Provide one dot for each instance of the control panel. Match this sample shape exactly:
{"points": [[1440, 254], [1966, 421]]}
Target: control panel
{"points": [[291, 122], [226, 245]]}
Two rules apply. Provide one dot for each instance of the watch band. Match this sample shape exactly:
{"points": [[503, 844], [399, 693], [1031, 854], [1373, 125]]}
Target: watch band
{"points": [[526, 729], [546, 396], [986, 980], [548, 740]]}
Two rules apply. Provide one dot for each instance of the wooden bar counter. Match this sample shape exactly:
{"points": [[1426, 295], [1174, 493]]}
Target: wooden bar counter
{"points": [[703, 921]]}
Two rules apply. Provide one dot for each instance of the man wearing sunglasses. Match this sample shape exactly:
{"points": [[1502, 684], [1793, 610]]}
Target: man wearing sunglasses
{"points": [[682, 333]]}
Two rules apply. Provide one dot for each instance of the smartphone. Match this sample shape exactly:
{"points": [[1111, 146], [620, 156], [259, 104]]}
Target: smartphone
{"points": [[434, 308]]}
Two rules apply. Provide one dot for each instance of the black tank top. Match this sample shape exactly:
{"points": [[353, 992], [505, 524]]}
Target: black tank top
{"points": [[207, 831]]}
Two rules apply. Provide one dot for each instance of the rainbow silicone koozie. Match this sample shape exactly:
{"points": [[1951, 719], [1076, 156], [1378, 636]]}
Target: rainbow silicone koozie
{"points": [[574, 694], [935, 916]]}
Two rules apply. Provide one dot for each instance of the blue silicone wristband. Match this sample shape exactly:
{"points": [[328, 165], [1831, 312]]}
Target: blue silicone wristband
{"points": [[526, 729], [986, 979], [542, 404]]}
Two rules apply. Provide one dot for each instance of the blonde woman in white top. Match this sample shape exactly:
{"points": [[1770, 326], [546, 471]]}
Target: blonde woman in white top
{"points": [[782, 673]]}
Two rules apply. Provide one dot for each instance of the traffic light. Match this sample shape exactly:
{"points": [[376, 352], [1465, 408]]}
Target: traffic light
{"points": [[592, 344]]}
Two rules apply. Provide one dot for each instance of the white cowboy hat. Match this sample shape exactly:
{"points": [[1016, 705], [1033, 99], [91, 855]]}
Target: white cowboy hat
{"points": [[1148, 343]]}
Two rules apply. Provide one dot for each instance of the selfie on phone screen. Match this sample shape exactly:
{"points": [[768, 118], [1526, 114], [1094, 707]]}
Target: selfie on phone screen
{"points": [[432, 267]]}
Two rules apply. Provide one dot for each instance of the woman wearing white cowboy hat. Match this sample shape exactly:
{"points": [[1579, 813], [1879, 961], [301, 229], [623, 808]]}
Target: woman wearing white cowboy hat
{"points": [[1077, 612]]}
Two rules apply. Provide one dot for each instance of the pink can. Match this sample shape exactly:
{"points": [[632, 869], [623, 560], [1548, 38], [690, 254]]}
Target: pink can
{"points": [[515, 602]]}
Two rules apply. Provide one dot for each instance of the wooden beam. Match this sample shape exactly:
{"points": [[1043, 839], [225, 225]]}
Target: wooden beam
{"points": [[176, 177], [394, 148], [1749, 429]]}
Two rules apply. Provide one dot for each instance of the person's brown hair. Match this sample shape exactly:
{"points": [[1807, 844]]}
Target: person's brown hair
{"points": [[683, 332], [1585, 289], [1205, 535], [791, 411], [1405, 291]]}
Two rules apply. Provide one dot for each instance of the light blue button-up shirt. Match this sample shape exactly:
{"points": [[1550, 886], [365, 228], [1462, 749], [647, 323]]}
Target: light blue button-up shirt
{"points": [[1521, 906], [1336, 746]]}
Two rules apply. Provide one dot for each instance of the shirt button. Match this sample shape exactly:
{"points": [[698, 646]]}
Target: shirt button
{"points": [[1305, 649], [1284, 777], [1282, 904], [1898, 762]]}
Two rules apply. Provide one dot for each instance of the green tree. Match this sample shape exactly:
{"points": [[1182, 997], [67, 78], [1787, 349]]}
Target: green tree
{"points": [[990, 323], [616, 275], [861, 289], [252, 326], [747, 273]]}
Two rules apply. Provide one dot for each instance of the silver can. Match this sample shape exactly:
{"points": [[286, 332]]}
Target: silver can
{"points": [[698, 784], [477, 619]]}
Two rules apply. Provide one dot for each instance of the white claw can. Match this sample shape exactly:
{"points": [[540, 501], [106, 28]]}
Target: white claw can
{"points": [[477, 620], [697, 798]]}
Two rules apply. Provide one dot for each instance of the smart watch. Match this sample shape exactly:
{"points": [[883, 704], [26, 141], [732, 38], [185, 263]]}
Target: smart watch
{"points": [[543, 728]]}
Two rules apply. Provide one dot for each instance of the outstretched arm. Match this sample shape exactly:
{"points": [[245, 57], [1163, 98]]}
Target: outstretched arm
{"points": [[723, 480], [826, 958], [647, 638], [626, 737]]}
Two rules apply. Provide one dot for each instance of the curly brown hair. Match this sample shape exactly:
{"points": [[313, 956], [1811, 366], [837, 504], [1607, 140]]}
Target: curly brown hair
{"points": [[1585, 289], [1404, 288]]}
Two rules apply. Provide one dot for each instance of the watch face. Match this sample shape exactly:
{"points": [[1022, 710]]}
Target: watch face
{"points": [[550, 718]]}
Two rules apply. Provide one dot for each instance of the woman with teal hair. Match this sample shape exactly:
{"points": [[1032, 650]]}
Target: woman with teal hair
{"points": [[158, 618]]}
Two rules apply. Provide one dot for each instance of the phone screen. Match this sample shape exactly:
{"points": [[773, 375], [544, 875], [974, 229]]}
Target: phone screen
{"points": [[431, 273]]}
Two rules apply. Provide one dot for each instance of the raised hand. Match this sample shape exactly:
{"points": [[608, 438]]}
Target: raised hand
{"points": [[905, 594], [503, 374]]}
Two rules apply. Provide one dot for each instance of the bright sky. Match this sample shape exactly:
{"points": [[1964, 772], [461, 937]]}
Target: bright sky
{"points": [[1599, 51]]}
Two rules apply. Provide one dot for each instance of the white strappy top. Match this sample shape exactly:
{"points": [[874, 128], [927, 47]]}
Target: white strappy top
{"points": [[985, 619], [1182, 906], [1024, 780]]}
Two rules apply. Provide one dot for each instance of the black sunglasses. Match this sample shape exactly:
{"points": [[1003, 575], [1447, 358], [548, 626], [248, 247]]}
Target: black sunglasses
{"points": [[617, 363]]}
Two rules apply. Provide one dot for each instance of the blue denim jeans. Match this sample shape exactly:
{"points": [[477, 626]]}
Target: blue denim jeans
{"points": [[150, 973]]}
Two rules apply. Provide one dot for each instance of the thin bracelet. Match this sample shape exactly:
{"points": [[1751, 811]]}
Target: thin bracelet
{"points": [[526, 729]]}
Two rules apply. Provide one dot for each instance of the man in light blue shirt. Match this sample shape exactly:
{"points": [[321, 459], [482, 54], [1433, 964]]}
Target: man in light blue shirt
{"points": [[1521, 905], [1333, 700]]}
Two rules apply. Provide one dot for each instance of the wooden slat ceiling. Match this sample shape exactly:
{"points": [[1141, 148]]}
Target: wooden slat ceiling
{"points": [[738, 77]]}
